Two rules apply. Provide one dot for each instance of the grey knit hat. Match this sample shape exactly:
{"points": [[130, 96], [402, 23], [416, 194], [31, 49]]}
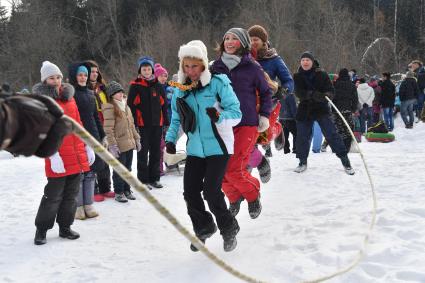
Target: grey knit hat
{"points": [[112, 88], [243, 36]]}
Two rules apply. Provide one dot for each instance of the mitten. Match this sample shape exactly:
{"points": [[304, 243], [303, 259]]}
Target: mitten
{"points": [[170, 147], [56, 163], [90, 155], [138, 145], [213, 113], [114, 150], [263, 124]]}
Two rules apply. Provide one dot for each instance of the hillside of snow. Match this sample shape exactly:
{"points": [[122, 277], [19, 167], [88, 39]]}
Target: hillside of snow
{"points": [[312, 224]]}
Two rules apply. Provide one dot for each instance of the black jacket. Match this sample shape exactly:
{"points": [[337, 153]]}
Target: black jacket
{"points": [[387, 94], [312, 102], [408, 89], [148, 103], [346, 97], [86, 103]]}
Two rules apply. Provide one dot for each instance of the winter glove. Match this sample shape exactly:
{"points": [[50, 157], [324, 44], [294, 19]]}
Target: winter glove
{"points": [[170, 147], [56, 163], [365, 105], [33, 125], [114, 150], [105, 142], [138, 145], [319, 96], [90, 155], [213, 113], [263, 124]]}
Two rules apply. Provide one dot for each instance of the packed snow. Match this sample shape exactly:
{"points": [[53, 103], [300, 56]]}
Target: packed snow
{"points": [[312, 224]]}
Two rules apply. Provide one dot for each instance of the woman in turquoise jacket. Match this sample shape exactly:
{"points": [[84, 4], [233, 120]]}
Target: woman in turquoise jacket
{"points": [[207, 109]]}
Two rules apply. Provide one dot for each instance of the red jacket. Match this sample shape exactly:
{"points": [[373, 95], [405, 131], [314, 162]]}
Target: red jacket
{"points": [[72, 150]]}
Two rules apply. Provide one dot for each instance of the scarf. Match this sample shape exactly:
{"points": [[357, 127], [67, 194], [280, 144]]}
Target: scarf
{"points": [[231, 61], [121, 104], [266, 53]]}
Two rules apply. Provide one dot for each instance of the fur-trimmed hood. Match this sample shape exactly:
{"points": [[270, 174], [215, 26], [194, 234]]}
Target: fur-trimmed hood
{"points": [[66, 94], [194, 49]]}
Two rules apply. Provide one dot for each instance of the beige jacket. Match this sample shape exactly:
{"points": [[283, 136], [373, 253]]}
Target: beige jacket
{"points": [[120, 130]]}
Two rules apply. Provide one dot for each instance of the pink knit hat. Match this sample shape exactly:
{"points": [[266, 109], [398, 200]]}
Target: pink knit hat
{"points": [[159, 70]]}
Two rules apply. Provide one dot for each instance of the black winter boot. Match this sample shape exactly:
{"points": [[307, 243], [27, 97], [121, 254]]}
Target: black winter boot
{"points": [[229, 236], [68, 233], [235, 206], [347, 165], [40, 237], [254, 208], [204, 234], [264, 170]]}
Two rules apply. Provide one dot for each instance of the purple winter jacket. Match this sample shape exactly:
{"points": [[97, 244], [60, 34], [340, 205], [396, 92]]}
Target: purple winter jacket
{"points": [[247, 78]]}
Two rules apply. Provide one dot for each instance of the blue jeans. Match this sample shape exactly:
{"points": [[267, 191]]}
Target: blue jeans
{"points": [[406, 110], [86, 193], [317, 137], [304, 131], [420, 104], [366, 113], [388, 117]]}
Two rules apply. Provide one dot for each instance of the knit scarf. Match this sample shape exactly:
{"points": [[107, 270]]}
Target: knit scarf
{"points": [[231, 61], [121, 104], [266, 53]]}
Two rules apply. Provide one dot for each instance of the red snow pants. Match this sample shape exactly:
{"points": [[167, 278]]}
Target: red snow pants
{"points": [[238, 182]]}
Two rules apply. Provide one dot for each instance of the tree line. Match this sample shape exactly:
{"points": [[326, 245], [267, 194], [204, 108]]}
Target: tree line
{"points": [[116, 32]]}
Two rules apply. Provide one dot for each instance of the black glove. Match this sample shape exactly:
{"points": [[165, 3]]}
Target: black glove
{"points": [[213, 113], [365, 105], [319, 96], [170, 147], [34, 124]]}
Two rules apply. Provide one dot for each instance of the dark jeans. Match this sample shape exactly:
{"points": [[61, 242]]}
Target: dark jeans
{"points": [[58, 202], [148, 167], [420, 104], [205, 175], [86, 192], [290, 126], [103, 180], [406, 110], [126, 159], [366, 114], [388, 117], [304, 132]]}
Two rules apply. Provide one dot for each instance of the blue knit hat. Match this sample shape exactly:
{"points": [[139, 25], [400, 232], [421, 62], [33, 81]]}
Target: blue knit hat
{"points": [[146, 60], [82, 69]]}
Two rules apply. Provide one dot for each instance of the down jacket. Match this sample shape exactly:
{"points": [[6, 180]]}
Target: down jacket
{"points": [[72, 151]]}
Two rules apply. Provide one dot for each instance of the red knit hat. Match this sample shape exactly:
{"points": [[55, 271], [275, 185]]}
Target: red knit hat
{"points": [[159, 70]]}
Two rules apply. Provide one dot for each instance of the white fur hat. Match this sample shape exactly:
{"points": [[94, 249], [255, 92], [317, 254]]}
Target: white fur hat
{"points": [[194, 49], [49, 69]]}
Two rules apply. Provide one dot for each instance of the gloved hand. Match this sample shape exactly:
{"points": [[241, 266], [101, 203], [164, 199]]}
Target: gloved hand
{"points": [[56, 163], [170, 147], [114, 150], [105, 142], [213, 113], [319, 96], [33, 124], [365, 105], [138, 145], [263, 124], [90, 155]]}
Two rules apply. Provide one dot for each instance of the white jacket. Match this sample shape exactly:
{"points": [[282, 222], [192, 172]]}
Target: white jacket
{"points": [[366, 94]]}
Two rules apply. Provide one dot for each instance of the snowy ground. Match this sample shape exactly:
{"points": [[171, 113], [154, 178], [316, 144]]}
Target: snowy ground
{"points": [[311, 225]]}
